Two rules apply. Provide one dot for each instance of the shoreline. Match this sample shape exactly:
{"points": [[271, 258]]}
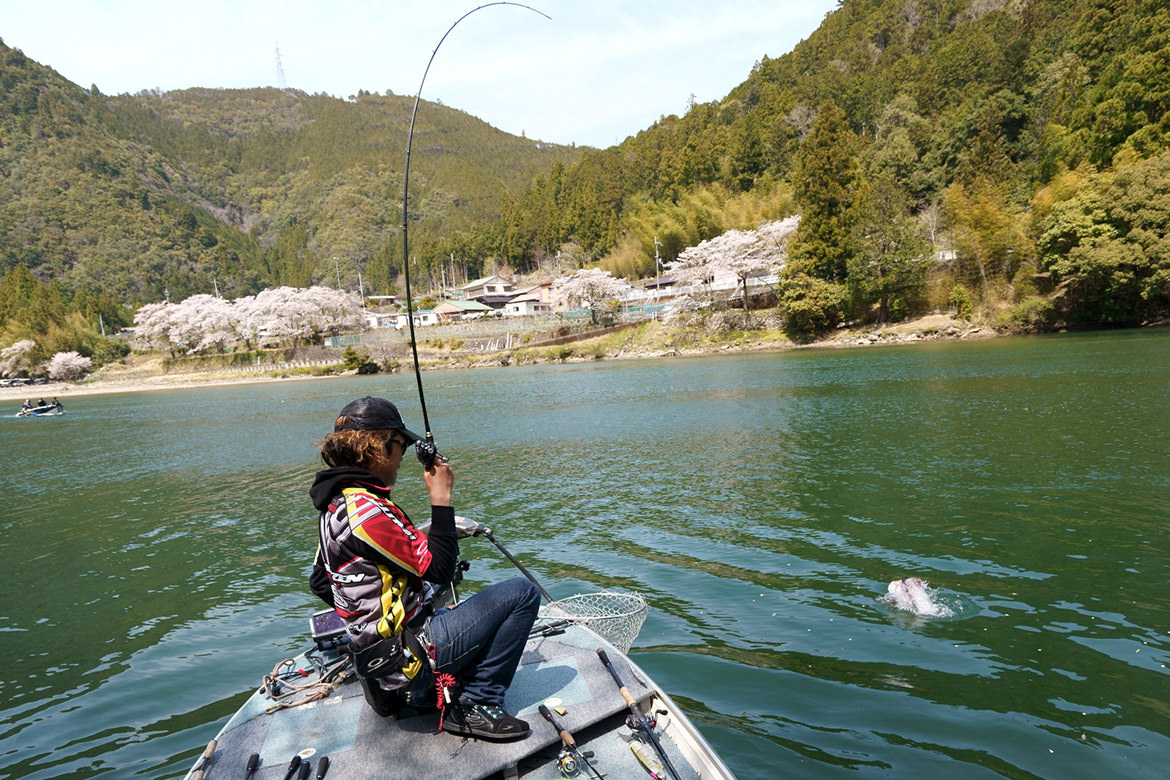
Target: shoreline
{"points": [[63, 391], [924, 329]]}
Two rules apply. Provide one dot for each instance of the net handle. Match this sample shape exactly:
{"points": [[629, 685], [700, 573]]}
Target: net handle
{"points": [[491, 538]]}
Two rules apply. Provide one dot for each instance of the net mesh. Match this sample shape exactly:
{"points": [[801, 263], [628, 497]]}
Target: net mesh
{"points": [[616, 617]]}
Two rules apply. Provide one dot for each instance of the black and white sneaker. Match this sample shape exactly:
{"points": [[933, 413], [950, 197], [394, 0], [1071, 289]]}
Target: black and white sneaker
{"points": [[483, 721]]}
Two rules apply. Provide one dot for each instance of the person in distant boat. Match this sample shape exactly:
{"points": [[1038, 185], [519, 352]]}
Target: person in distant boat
{"points": [[26, 405], [41, 402], [380, 574]]}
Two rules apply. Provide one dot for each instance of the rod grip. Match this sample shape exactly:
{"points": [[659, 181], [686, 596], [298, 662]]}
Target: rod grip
{"points": [[613, 672], [566, 737], [201, 763]]}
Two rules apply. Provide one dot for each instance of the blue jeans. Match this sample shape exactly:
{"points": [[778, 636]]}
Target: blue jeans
{"points": [[480, 641]]}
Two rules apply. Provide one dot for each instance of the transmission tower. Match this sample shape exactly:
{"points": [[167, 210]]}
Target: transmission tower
{"points": [[280, 82]]}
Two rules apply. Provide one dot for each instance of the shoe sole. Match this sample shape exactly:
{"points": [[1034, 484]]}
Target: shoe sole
{"points": [[488, 736]]}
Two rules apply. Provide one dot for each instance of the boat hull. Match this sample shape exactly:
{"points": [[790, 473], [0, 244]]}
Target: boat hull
{"points": [[48, 410], [562, 670]]}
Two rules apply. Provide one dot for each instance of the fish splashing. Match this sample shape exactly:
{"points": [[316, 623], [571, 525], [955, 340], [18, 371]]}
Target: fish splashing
{"points": [[910, 594]]}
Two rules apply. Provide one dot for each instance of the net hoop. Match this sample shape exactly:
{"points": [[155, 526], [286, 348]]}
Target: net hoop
{"points": [[616, 617]]}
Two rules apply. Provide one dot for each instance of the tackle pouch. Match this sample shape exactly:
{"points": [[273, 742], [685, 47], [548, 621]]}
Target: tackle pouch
{"points": [[383, 658]]}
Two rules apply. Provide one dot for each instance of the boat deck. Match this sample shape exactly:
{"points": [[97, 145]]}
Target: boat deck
{"points": [[361, 745]]}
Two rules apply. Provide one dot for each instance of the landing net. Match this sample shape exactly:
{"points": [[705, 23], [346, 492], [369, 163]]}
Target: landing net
{"points": [[617, 617]]}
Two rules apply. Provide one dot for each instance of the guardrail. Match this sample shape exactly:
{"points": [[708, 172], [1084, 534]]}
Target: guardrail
{"points": [[266, 367]]}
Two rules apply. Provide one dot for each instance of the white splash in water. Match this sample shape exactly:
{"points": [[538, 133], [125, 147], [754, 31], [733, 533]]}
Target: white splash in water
{"points": [[911, 594]]}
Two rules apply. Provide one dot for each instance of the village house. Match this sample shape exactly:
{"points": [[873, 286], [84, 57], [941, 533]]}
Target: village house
{"points": [[531, 301], [456, 310], [420, 318], [492, 291], [379, 320]]}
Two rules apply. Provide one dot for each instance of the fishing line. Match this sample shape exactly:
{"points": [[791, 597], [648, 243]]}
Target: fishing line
{"points": [[426, 451]]}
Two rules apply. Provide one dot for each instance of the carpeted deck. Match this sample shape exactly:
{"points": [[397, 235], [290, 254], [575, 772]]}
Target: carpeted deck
{"points": [[361, 745]]}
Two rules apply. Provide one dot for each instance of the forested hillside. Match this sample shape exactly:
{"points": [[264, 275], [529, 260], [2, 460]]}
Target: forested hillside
{"points": [[1002, 157], [141, 196], [1022, 140]]}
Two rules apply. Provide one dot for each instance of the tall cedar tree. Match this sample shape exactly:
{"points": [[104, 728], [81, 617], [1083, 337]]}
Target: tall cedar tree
{"points": [[891, 258], [826, 181]]}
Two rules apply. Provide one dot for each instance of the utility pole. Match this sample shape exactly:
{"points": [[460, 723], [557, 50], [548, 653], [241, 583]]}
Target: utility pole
{"points": [[657, 269], [337, 268]]}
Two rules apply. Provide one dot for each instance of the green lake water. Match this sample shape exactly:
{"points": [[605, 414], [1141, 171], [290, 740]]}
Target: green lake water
{"points": [[156, 549]]}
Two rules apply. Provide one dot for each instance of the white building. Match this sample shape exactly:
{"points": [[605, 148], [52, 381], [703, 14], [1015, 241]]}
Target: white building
{"points": [[531, 301]]}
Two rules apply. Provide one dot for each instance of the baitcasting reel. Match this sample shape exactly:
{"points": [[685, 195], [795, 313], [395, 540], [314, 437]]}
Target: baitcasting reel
{"points": [[428, 453]]}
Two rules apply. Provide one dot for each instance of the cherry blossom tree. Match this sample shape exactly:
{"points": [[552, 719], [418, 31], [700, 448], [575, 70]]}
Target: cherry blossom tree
{"points": [[68, 366], [331, 310], [171, 326], [252, 315], [590, 288], [204, 323], [295, 314], [153, 325], [201, 323], [17, 357], [744, 253]]}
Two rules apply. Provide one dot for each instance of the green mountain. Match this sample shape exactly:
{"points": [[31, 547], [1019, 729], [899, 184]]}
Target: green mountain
{"points": [[1027, 139], [1023, 141], [177, 193]]}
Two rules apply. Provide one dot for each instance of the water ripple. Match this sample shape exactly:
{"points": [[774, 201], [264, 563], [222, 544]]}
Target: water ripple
{"points": [[760, 502]]}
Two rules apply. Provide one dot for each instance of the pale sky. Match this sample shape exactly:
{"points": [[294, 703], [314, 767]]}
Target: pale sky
{"points": [[595, 73]]}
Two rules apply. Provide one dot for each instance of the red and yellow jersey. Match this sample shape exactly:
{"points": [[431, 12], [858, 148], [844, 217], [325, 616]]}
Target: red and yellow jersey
{"points": [[374, 558]]}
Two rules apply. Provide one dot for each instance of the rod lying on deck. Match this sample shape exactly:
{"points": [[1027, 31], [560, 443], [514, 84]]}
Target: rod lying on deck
{"points": [[637, 719], [570, 744]]}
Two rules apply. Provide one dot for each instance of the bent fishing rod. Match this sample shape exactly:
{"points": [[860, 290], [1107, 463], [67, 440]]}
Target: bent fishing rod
{"points": [[426, 450]]}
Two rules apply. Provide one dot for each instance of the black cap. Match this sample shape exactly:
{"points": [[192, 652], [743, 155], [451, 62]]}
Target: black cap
{"points": [[372, 414]]}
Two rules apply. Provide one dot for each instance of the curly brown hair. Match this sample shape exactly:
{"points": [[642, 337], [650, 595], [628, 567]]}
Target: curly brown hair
{"points": [[354, 448]]}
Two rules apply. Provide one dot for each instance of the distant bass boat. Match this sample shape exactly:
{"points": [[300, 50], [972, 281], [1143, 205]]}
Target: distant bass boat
{"points": [[42, 410]]}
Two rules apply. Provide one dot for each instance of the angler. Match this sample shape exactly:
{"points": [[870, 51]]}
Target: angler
{"points": [[380, 574]]}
